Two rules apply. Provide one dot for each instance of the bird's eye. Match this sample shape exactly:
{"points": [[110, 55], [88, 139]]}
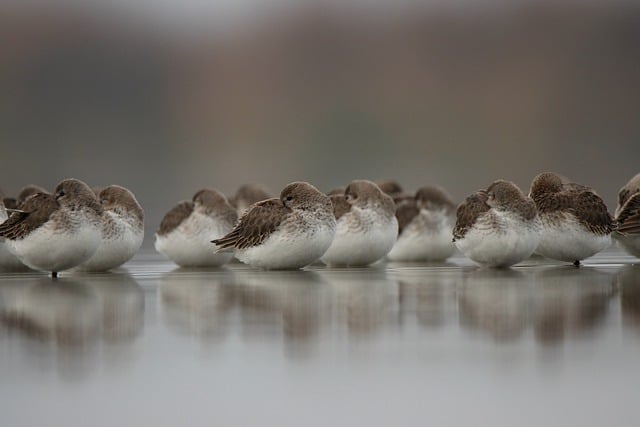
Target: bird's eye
{"points": [[289, 198], [59, 194]]}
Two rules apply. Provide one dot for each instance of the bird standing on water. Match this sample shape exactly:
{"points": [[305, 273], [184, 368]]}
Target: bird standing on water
{"points": [[55, 232], [289, 232], [628, 217], [497, 227], [575, 220], [366, 225], [186, 231], [122, 229], [425, 224]]}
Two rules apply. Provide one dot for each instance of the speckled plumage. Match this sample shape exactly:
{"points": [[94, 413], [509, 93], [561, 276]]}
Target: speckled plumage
{"points": [[285, 233], [186, 231], [497, 227], [628, 217], [366, 230], [122, 229], [425, 221], [575, 220], [8, 261], [55, 232], [247, 195]]}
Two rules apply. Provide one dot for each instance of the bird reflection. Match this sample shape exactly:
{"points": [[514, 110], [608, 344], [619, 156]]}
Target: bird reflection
{"points": [[364, 298], [122, 302], [628, 281], [556, 302], [288, 302], [494, 302], [65, 311], [70, 317], [569, 302], [428, 294], [197, 304], [57, 321]]}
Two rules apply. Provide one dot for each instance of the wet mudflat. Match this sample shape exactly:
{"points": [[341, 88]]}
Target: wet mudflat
{"points": [[444, 344]]}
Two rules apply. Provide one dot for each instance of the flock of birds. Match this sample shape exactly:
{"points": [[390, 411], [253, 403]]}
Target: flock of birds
{"points": [[98, 229]]}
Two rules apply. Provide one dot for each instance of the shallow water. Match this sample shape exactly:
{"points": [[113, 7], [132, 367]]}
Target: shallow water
{"points": [[437, 344]]}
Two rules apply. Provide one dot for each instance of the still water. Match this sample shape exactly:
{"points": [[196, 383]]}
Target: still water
{"points": [[444, 344]]}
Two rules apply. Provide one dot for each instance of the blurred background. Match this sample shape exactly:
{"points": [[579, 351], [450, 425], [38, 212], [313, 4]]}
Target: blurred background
{"points": [[167, 96]]}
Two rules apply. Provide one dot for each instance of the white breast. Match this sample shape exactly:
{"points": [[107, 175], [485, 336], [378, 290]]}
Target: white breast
{"points": [[298, 242], [500, 239], [363, 236], [427, 238], [568, 240], [122, 236], [52, 248], [189, 245]]}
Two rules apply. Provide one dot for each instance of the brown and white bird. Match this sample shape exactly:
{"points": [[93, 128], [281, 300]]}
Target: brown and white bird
{"points": [[366, 226], [28, 191], [247, 195], [628, 217], [122, 229], [289, 232], [186, 231], [497, 227], [23, 194], [55, 232], [575, 220], [8, 261], [425, 225]]}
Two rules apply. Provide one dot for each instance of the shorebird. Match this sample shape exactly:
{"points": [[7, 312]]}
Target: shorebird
{"points": [[497, 227], [289, 232], [186, 231], [122, 229], [575, 220], [55, 232], [366, 226], [425, 225]]}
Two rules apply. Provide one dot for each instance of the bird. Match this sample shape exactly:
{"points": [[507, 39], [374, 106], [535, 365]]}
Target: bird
{"points": [[283, 233], [627, 216], [497, 227], [425, 222], [366, 225], [391, 187], [575, 221], [122, 229], [55, 232], [24, 193], [186, 231], [28, 191], [247, 195], [8, 261]]}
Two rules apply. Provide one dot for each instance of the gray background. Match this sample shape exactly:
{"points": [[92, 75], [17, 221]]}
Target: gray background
{"points": [[167, 97]]}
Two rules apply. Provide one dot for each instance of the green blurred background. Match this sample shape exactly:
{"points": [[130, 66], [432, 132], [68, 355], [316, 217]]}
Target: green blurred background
{"points": [[166, 97]]}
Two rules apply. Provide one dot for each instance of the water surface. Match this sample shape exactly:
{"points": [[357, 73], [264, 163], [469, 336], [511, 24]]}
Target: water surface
{"points": [[443, 344]]}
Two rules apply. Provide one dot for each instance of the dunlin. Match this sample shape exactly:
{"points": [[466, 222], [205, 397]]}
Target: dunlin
{"points": [[8, 261], [425, 222], [497, 227], [628, 217], [286, 233], [186, 231], [575, 220], [122, 229], [28, 191], [366, 226], [56, 232], [390, 187], [247, 195]]}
